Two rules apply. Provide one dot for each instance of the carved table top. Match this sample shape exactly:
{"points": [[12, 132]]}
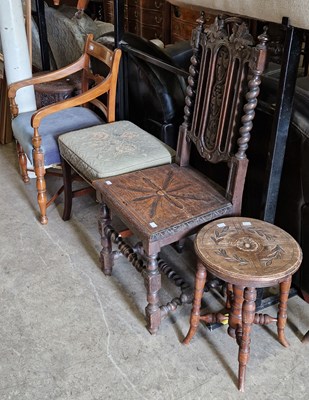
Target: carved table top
{"points": [[248, 252]]}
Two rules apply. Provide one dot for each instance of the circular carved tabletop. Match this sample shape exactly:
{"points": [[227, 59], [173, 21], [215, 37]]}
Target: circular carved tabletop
{"points": [[248, 252]]}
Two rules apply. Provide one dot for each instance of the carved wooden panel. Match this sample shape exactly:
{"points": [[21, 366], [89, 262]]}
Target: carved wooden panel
{"points": [[223, 87], [160, 201], [53, 92], [242, 250]]}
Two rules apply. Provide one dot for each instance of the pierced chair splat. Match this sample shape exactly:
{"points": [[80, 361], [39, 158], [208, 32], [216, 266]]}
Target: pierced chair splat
{"points": [[163, 204], [36, 132]]}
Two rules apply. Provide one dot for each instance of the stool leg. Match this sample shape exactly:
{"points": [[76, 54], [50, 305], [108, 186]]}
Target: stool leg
{"points": [[248, 314], [235, 318], [282, 312], [67, 183], [200, 280], [229, 296]]}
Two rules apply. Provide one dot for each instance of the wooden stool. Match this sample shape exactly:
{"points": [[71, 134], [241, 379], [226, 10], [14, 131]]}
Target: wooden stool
{"points": [[52, 92], [247, 254]]}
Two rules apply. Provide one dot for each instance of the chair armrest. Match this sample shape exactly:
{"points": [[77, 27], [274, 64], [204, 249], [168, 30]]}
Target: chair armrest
{"points": [[78, 100], [43, 78]]}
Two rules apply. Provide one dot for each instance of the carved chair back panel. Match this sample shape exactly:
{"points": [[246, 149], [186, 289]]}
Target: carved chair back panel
{"points": [[224, 60]]}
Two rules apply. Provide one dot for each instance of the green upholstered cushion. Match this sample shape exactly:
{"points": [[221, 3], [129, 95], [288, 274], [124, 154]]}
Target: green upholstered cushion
{"points": [[113, 149]]}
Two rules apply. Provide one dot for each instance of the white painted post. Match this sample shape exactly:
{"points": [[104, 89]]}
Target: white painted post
{"points": [[15, 50]]}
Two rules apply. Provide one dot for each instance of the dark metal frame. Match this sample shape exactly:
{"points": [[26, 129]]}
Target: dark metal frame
{"points": [[41, 21], [282, 119]]}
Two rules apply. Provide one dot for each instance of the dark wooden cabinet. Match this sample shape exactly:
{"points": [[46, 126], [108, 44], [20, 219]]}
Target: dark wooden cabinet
{"points": [[109, 11], [183, 21], [157, 19], [145, 18], [150, 19]]}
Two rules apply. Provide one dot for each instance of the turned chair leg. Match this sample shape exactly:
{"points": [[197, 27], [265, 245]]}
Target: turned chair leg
{"points": [[282, 312], [67, 184], [22, 160], [39, 169], [248, 314], [152, 279], [200, 280], [106, 254]]}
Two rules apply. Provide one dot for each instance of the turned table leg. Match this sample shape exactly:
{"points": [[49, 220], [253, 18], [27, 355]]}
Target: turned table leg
{"points": [[282, 312], [235, 318], [248, 314], [200, 280]]}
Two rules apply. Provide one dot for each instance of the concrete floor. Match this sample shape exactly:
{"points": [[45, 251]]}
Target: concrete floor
{"points": [[69, 332]]}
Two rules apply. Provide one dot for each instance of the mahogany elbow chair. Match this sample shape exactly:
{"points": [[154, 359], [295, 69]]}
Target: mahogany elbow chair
{"points": [[163, 204], [36, 132]]}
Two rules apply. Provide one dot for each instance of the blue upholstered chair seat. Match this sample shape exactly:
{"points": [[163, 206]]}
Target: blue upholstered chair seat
{"points": [[51, 127]]}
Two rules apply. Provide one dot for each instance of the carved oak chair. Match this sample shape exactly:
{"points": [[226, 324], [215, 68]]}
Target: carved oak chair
{"points": [[36, 132], [164, 204]]}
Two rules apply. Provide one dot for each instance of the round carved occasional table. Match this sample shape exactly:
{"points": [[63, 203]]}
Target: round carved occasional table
{"points": [[247, 254]]}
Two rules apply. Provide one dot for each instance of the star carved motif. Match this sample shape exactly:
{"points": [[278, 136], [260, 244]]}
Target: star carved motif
{"points": [[170, 191]]}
